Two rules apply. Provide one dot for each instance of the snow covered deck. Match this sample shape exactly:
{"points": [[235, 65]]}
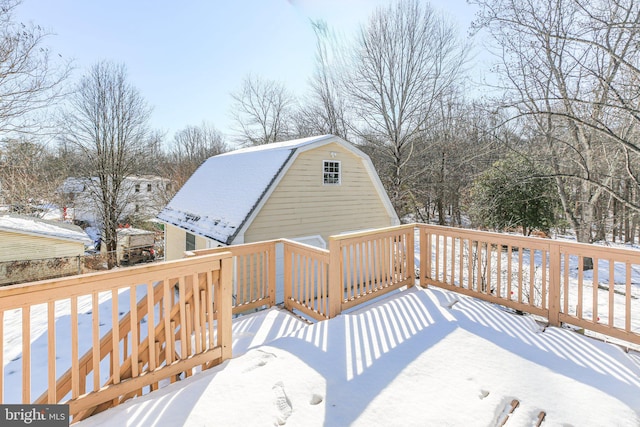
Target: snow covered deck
{"points": [[418, 357], [383, 360]]}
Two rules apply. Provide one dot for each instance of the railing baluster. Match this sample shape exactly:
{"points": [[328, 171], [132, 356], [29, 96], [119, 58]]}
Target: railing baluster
{"points": [[183, 317], [544, 285], [509, 271], [565, 283], [612, 283], [95, 332], [437, 241], [627, 305], [595, 287], [51, 353], [168, 329], [580, 286], [26, 353], [532, 276], [75, 374], [499, 271], [196, 313], [445, 252], [209, 303], [453, 260], [487, 285], [151, 325], [134, 331], [478, 245], [115, 355], [520, 263]]}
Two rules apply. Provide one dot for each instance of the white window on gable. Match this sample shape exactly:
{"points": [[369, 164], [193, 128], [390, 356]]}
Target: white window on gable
{"points": [[137, 188], [331, 172], [148, 187]]}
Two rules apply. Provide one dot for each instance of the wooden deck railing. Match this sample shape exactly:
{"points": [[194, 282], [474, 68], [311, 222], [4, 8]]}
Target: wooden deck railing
{"points": [[181, 320], [322, 283], [253, 274], [369, 264], [306, 279], [182, 310], [539, 276]]}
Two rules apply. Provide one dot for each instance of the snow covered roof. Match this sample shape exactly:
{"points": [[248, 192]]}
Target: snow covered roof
{"points": [[40, 227], [223, 192]]}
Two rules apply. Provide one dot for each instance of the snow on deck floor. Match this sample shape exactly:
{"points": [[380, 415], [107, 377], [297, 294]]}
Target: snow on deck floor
{"points": [[416, 358]]}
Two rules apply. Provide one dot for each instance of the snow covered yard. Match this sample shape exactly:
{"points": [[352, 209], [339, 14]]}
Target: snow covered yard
{"points": [[419, 357]]}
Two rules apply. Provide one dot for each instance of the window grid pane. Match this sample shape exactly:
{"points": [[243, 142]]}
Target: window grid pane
{"points": [[331, 172]]}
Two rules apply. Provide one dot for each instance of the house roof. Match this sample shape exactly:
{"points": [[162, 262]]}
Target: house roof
{"points": [[43, 228], [221, 195]]}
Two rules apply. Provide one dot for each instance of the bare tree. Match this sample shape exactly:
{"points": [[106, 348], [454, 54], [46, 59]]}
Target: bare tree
{"points": [[29, 176], [190, 147], [107, 121], [571, 69], [325, 110], [30, 80], [261, 111], [403, 61]]}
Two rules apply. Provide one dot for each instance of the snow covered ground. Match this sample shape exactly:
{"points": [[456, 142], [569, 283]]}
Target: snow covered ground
{"points": [[418, 357]]}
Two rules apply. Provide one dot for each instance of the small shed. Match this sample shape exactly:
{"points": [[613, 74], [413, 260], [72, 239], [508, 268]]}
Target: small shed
{"points": [[305, 189], [34, 249]]}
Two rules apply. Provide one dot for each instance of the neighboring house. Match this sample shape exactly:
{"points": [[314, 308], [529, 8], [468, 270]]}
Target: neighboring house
{"points": [[144, 197], [34, 249], [306, 189]]}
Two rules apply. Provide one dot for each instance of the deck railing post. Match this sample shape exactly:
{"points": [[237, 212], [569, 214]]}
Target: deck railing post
{"points": [[411, 264], [554, 284], [225, 306], [335, 277], [288, 278], [423, 255], [272, 274]]}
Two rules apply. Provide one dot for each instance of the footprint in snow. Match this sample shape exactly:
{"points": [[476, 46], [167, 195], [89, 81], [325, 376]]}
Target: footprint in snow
{"points": [[282, 403], [257, 359], [316, 399]]}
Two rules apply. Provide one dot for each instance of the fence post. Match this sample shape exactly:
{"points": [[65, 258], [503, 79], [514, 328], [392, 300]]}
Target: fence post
{"points": [[288, 277], [335, 278], [411, 263], [272, 274], [554, 284], [225, 305], [425, 255]]}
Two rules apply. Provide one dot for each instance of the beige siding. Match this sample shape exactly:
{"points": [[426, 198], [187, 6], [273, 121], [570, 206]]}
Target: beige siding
{"points": [[18, 246], [302, 205], [175, 242]]}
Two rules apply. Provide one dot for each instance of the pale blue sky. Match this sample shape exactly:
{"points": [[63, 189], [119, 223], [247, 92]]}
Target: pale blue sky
{"points": [[186, 57]]}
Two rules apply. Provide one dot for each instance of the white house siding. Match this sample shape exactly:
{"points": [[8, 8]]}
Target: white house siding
{"points": [[144, 203], [302, 205]]}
